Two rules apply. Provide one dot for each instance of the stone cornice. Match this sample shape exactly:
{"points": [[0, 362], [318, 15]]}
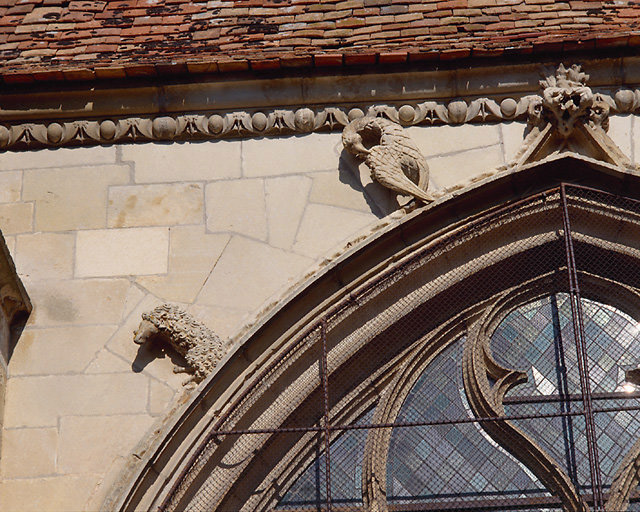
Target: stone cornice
{"points": [[294, 105], [240, 124]]}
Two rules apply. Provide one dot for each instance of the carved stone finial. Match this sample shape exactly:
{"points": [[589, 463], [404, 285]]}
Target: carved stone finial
{"points": [[569, 117], [394, 160], [199, 345], [566, 99]]}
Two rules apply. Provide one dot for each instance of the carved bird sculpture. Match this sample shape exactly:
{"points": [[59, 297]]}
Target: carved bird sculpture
{"points": [[394, 160]]}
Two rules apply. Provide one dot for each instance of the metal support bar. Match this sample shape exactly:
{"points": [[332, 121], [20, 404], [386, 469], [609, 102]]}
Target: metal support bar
{"points": [[581, 350]]}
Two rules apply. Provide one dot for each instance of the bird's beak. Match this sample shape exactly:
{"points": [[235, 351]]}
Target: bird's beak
{"points": [[360, 149]]}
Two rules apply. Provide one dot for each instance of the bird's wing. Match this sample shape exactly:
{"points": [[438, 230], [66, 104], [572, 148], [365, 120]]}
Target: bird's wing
{"points": [[387, 169]]}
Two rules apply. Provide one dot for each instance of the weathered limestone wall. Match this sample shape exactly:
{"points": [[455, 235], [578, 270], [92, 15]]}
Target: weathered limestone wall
{"points": [[100, 235]]}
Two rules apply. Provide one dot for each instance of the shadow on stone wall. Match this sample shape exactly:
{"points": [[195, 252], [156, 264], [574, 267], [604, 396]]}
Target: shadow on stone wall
{"points": [[380, 200]]}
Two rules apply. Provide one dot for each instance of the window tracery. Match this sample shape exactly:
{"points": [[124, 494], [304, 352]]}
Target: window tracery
{"points": [[449, 458], [454, 461], [368, 352]]}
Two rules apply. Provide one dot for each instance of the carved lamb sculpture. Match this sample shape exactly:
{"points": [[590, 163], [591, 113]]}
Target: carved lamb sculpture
{"points": [[200, 346]]}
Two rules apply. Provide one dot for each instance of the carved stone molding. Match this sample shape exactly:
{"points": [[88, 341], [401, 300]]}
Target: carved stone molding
{"points": [[213, 125], [486, 382], [569, 116], [15, 307], [238, 391], [406, 373]]}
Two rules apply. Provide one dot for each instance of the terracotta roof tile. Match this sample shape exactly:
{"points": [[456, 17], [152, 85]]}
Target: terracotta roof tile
{"points": [[80, 39]]}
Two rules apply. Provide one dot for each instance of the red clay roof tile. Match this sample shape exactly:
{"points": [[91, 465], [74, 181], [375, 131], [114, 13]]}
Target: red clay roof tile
{"points": [[80, 39]]}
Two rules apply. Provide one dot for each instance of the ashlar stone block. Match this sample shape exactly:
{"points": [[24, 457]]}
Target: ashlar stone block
{"points": [[512, 138], [620, 131], [440, 140], [192, 250], [134, 295], [10, 186], [88, 301], [107, 362], [248, 273], [447, 171], [55, 494], [225, 321], [185, 161], [160, 397], [291, 155], [39, 401], [45, 255], [286, 199], [71, 198], [16, 218], [120, 252], [339, 188], [155, 205], [237, 206], [192, 255], [58, 157], [28, 452], [58, 350], [10, 241], [88, 444], [324, 228]]}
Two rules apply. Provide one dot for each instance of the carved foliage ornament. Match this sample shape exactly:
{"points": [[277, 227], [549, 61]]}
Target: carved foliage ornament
{"points": [[568, 116], [566, 99], [304, 119]]}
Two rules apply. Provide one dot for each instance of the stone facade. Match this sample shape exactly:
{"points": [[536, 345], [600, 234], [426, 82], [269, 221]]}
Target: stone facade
{"points": [[186, 157], [223, 229]]}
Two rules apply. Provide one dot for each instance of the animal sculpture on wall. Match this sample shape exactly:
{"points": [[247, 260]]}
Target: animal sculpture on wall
{"points": [[393, 158], [200, 346]]}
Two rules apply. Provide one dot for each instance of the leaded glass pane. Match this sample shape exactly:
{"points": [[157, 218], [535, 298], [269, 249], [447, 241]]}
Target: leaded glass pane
{"points": [[347, 450], [538, 338], [449, 462], [456, 460]]}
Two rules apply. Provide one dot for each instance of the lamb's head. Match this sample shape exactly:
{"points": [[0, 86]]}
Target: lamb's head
{"points": [[145, 330]]}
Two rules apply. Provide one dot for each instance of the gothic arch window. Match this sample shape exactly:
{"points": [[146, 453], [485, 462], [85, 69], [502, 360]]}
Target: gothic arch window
{"points": [[489, 364], [448, 459]]}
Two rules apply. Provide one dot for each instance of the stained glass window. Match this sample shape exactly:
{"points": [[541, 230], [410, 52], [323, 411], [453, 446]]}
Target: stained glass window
{"points": [[539, 339], [452, 459], [347, 450]]}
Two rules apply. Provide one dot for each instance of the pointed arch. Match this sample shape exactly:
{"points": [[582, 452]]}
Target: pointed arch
{"points": [[399, 296]]}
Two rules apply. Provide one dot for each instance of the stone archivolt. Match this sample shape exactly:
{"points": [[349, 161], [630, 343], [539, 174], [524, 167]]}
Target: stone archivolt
{"points": [[476, 313], [568, 118]]}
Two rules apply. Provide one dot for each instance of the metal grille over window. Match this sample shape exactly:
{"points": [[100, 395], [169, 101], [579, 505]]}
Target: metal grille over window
{"points": [[500, 372]]}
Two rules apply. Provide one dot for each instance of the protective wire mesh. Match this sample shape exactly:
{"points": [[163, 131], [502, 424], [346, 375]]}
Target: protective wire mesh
{"points": [[368, 411]]}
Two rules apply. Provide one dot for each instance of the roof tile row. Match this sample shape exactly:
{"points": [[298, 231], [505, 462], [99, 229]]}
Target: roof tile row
{"points": [[70, 40]]}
